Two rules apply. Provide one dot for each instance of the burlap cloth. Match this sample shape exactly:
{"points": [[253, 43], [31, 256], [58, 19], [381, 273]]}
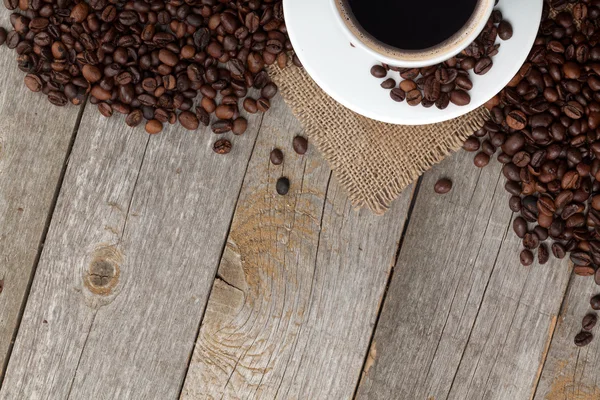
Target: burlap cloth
{"points": [[372, 160]]}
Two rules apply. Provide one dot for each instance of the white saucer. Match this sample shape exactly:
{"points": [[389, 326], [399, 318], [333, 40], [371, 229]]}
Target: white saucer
{"points": [[343, 71]]}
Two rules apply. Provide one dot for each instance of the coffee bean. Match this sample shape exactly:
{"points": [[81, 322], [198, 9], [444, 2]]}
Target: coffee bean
{"points": [[543, 254], [378, 71], [414, 97], [3, 36], [269, 91], [263, 104], [460, 97], [134, 118], [530, 240], [250, 105], [583, 339], [463, 82], [443, 186], [526, 257], [153, 126], [483, 66], [203, 116], [188, 120], [471, 144], [282, 186], [300, 145], [33, 82], [388, 83], [240, 125], [481, 160], [516, 120], [222, 146], [398, 95], [505, 30], [558, 251], [520, 227], [276, 157], [588, 322], [222, 126]]}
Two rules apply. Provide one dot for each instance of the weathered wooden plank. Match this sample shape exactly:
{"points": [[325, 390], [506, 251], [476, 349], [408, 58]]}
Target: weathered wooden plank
{"points": [[570, 372], [130, 258], [34, 141], [462, 318], [299, 285]]}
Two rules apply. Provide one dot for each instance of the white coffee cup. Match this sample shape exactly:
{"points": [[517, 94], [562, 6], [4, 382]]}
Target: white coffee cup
{"points": [[413, 58]]}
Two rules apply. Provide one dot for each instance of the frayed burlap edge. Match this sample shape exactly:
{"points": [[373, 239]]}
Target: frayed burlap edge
{"points": [[372, 160]]}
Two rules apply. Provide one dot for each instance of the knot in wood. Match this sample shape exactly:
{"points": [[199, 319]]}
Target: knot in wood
{"points": [[103, 271]]}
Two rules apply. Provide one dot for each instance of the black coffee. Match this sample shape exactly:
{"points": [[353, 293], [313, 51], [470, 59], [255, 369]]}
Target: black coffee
{"points": [[412, 24]]}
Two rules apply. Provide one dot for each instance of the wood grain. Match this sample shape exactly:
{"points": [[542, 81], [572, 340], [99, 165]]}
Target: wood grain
{"points": [[130, 258], [299, 284], [570, 372], [35, 138], [462, 318]]}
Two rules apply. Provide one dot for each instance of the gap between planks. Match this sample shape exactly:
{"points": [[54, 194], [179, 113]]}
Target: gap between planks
{"points": [[43, 237], [216, 276], [413, 200]]}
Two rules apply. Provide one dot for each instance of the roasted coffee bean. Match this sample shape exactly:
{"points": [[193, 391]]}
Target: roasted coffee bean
{"points": [[300, 145], [543, 255], [276, 157], [222, 146], [189, 120], [588, 322], [3, 36], [516, 120], [520, 227], [443, 186], [153, 126], [472, 144], [483, 66], [378, 71], [263, 104], [481, 160], [558, 251], [595, 302], [460, 97], [282, 186], [398, 95], [515, 203], [414, 97], [505, 30], [526, 257], [389, 83], [269, 91], [134, 118], [530, 240], [222, 126], [583, 339], [240, 125]]}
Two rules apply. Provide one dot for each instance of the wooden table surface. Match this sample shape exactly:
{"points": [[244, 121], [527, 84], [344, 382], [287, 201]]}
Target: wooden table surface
{"points": [[148, 267]]}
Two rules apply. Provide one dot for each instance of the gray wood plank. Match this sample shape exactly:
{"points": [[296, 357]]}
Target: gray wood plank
{"points": [[34, 141], [131, 255], [462, 318], [570, 372], [299, 285]]}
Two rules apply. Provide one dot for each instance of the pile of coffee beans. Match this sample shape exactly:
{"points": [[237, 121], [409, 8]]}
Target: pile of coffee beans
{"points": [[545, 127], [149, 59], [448, 82]]}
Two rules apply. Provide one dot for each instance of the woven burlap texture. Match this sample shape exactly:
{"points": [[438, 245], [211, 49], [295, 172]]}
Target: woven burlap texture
{"points": [[372, 160]]}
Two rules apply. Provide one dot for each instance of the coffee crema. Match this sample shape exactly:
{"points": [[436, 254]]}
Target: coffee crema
{"points": [[411, 24]]}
